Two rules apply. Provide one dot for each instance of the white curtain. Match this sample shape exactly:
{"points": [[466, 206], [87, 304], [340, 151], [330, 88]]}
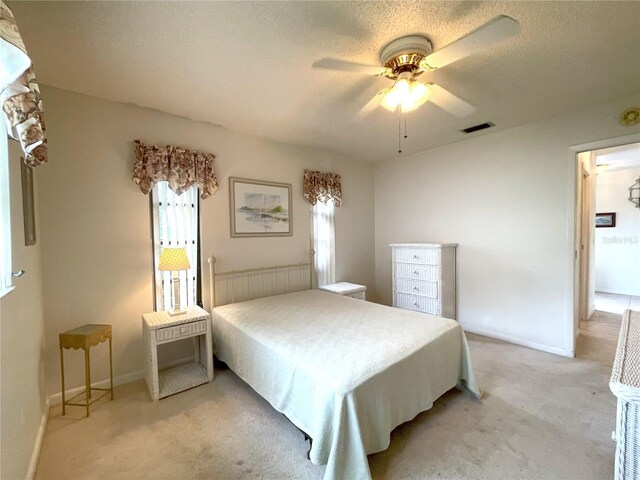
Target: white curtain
{"points": [[324, 239], [175, 224], [5, 217]]}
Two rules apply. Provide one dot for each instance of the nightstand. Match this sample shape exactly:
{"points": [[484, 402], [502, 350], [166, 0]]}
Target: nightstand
{"points": [[159, 328], [346, 289]]}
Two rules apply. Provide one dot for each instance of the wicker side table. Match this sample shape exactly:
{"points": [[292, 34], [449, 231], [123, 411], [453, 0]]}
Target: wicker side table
{"points": [[159, 328], [85, 337], [346, 289], [625, 384]]}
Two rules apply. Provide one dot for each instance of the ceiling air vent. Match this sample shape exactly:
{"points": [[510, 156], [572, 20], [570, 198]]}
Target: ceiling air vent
{"points": [[480, 126]]}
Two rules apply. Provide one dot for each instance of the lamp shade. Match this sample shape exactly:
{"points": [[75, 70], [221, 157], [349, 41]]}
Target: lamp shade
{"points": [[172, 259]]}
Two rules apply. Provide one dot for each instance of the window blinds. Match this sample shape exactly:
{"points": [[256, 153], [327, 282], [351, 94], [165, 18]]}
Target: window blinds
{"points": [[324, 243], [175, 224]]}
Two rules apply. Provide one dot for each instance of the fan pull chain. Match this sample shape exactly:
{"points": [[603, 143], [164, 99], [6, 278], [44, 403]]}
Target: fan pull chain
{"points": [[399, 135]]}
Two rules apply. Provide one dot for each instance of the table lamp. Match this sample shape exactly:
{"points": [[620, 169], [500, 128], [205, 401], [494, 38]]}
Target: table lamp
{"points": [[174, 260]]}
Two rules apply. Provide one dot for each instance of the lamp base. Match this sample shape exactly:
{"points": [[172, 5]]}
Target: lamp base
{"points": [[173, 313]]}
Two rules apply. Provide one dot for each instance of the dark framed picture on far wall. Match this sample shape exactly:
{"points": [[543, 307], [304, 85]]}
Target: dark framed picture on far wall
{"points": [[606, 220]]}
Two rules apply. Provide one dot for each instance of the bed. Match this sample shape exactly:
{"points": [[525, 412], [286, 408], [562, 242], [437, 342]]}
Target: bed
{"points": [[344, 371]]}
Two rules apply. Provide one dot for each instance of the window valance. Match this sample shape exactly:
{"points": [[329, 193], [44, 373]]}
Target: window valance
{"points": [[179, 166], [19, 93], [322, 187]]}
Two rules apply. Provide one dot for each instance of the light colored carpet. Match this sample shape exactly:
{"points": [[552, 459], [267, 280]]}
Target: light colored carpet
{"points": [[542, 417]]}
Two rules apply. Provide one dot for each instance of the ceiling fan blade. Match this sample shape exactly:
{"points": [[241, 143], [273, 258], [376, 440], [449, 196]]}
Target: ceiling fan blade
{"points": [[371, 105], [350, 67], [448, 102], [491, 33]]}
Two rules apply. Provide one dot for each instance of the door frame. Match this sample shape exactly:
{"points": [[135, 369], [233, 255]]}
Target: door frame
{"points": [[572, 304], [584, 242]]}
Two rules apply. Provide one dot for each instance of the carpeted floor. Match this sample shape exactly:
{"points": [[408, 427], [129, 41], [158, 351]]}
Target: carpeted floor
{"points": [[542, 417]]}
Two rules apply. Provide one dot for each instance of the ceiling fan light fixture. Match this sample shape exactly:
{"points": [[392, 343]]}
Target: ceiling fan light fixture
{"points": [[390, 100], [420, 93], [406, 94]]}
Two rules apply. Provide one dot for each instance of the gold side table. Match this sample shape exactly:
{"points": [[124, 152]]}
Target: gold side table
{"points": [[85, 337]]}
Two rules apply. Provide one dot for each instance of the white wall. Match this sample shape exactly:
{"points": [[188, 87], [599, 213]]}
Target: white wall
{"points": [[95, 222], [507, 199], [618, 249], [22, 384]]}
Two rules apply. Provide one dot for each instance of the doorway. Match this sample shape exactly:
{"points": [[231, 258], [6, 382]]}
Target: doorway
{"points": [[608, 247]]}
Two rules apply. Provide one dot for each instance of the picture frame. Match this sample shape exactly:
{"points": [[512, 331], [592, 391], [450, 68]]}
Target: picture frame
{"points": [[606, 220], [28, 205], [260, 208]]}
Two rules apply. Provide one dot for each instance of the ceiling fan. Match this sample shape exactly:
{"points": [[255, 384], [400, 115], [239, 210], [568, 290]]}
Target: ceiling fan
{"points": [[405, 58]]}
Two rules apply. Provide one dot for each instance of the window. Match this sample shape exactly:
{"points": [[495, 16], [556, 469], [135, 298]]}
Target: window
{"points": [[324, 239], [5, 219], [175, 223]]}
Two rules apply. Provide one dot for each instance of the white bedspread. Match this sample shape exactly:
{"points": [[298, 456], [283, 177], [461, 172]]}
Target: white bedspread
{"points": [[345, 371]]}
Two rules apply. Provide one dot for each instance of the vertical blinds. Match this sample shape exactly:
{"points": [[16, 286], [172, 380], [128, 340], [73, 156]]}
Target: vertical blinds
{"points": [[175, 224], [324, 235]]}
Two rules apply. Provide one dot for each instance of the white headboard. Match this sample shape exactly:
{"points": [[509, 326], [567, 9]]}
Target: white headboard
{"points": [[240, 285]]}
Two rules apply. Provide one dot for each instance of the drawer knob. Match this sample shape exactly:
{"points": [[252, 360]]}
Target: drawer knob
{"points": [[415, 303], [415, 257], [415, 272], [416, 288]]}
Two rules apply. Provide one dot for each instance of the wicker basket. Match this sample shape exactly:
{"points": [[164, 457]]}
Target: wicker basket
{"points": [[625, 384]]}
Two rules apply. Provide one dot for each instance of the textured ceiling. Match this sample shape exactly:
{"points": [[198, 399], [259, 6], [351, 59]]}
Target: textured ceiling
{"points": [[247, 66]]}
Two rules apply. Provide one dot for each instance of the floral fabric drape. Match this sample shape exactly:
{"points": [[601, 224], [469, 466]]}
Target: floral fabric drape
{"points": [[19, 93], [322, 187], [180, 167]]}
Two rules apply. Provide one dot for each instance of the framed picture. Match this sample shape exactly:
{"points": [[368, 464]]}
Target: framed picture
{"points": [[606, 220], [259, 209], [28, 207]]}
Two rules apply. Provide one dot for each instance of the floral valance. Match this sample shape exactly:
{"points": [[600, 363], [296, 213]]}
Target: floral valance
{"points": [[179, 166], [322, 187], [19, 93]]}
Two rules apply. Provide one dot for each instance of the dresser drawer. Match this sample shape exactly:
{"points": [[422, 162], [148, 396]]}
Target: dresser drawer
{"points": [[417, 287], [358, 295], [418, 255], [414, 302], [416, 272], [181, 331]]}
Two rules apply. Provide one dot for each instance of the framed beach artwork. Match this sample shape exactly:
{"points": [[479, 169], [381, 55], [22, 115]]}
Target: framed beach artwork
{"points": [[260, 209]]}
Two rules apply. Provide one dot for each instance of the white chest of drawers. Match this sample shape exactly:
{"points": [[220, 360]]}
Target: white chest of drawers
{"points": [[424, 277], [625, 384]]}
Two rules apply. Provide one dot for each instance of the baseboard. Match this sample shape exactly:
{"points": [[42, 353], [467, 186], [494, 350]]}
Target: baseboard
{"points": [[592, 310], [37, 446], [518, 341], [56, 398], [619, 292]]}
